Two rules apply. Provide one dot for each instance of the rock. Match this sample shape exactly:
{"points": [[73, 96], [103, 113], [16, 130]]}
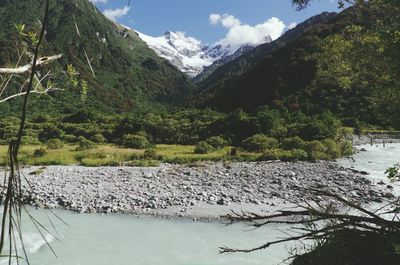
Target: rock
{"points": [[138, 190]]}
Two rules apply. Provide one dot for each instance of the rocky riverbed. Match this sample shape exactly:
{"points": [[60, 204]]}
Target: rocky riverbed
{"points": [[202, 191]]}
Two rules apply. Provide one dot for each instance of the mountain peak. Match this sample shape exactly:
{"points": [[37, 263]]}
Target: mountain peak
{"points": [[189, 54]]}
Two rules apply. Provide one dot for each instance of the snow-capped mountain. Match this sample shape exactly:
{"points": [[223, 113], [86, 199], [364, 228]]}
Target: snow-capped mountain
{"points": [[189, 55]]}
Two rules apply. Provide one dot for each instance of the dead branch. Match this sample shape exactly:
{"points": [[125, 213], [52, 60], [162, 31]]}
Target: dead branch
{"points": [[316, 222], [48, 90], [28, 67]]}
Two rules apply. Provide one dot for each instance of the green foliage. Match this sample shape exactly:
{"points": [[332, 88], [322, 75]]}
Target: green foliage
{"points": [[346, 64], [29, 140], [98, 138], [135, 141], [315, 150], [332, 149], [85, 144], [393, 173], [217, 142], [40, 152], [346, 148], [233, 152], [128, 74], [151, 154], [284, 155], [259, 143], [55, 144], [272, 154], [203, 148], [293, 143], [298, 154]]}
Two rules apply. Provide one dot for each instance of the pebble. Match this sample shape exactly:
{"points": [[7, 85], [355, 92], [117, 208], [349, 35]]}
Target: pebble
{"points": [[138, 190]]}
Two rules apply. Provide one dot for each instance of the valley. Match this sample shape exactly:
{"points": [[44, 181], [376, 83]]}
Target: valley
{"points": [[297, 120]]}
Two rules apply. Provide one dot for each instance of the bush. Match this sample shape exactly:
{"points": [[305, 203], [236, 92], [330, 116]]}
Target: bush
{"points": [[293, 143], [314, 146], [203, 148], [40, 152], [151, 154], [217, 142], [332, 150], [346, 148], [294, 155], [85, 144], [279, 132], [69, 138], [233, 152], [259, 143], [135, 141], [98, 138], [55, 144], [315, 150], [270, 155], [29, 140]]}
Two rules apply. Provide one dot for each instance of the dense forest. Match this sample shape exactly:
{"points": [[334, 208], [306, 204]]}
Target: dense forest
{"points": [[126, 73], [324, 69], [310, 83]]}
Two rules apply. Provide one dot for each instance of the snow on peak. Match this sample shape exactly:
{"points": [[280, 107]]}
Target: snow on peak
{"points": [[188, 54]]}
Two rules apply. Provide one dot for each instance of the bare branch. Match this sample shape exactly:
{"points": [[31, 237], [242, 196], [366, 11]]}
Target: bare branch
{"points": [[47, 90], [28, 67]]}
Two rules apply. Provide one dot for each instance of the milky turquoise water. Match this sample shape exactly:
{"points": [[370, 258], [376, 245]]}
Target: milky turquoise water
{"points": [[128, 240], [104, 240]]}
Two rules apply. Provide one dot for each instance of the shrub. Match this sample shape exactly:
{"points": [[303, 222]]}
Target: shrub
{"points": [[135, 141], [29, 140], [259, 143], [233, 152], [315, 150], [294, 155], [203, 148], [69, 138], [314, 146], [55, 144], [85, 144], [332, 150], [40, 152], [346, 148], [279, 132], [270, 155], [151, 153], [98, 138], [217, 142], [293, 143]]}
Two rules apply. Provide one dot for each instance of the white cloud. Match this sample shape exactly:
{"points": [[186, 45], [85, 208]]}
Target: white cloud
{"points": [[114, 14], [239, 33], [215, 18], [292, 25], [98, 1]]}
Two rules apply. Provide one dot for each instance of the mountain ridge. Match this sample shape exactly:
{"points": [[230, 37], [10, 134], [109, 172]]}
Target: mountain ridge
{"points": [[190, 56], [244, 62], [129, 75]]}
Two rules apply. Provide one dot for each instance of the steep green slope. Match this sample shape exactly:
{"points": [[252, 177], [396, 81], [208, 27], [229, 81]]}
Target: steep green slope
{"points": [[286, 78], [128, 74], [246, 61]]}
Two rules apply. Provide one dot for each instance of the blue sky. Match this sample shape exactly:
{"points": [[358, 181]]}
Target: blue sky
{"points": [[233, 17]]}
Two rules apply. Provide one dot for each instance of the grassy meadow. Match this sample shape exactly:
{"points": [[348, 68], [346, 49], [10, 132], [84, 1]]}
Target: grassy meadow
{"points": [[112, 155]]}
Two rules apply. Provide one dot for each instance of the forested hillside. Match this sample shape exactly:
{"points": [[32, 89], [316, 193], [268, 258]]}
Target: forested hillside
{"points": [[342, 65], [127, 74]]}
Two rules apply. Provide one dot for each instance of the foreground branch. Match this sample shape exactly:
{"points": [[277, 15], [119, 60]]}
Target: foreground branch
{"points": [[48, 90], [317, 223], [28, 67]]}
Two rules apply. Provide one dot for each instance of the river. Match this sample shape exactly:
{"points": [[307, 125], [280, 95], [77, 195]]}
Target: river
{"points": [[117, 239]]}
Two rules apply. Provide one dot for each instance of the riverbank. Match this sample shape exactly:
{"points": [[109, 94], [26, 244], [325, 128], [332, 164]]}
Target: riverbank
{"points": [[205, 191], [375, 138]]}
